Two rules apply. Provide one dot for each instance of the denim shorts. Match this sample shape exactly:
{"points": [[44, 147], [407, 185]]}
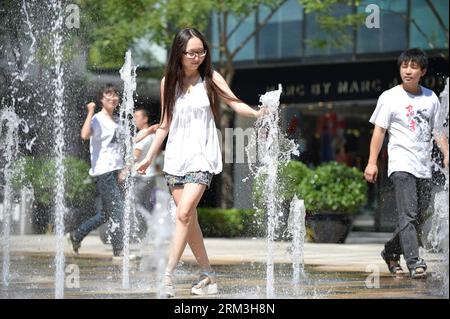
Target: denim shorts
{"points": [[199, 177]]}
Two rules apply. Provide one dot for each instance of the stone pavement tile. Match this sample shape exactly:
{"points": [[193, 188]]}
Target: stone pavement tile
{"points": [[358, 254]]}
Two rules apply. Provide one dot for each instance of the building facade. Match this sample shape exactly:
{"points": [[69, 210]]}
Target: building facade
{"points": [[329, 93]]}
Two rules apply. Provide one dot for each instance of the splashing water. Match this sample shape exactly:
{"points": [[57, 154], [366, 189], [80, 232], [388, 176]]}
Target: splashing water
{"points": [[162, 227], [439, 234], [58, 131], [296, 227], [32, 48], [128, 75], [10, 147], [273, 150], [442, 117], [10, 142], [21, 74]]}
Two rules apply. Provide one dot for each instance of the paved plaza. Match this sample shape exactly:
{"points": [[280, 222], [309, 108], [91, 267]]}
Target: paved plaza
{"points": [[350, 270]]}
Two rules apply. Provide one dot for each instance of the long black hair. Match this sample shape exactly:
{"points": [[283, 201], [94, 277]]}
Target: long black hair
{"points": [[174, 74]]}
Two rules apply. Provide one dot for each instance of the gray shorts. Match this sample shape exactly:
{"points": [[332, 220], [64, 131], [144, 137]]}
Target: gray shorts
{"points": [[199, 177]]}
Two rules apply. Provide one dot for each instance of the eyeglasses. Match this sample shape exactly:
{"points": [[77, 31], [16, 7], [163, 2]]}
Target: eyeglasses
{"points": [[111, 95], [192, 55]]}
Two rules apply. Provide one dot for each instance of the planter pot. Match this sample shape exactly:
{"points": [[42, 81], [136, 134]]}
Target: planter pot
{"points": [[329, 227]]}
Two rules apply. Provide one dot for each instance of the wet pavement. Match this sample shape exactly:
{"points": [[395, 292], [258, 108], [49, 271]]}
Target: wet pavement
{"points": [[352, 270]]}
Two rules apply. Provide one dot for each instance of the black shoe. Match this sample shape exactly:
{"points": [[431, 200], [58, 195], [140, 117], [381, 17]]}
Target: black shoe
{"points": [[118, 253], [75, 244]]}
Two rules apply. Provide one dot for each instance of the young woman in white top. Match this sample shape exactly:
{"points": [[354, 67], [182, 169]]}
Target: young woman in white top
{"points": [[103, 131], [190, 93]]}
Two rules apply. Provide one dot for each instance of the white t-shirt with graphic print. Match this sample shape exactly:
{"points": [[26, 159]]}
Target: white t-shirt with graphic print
{"points": [[409, 120], [105, 144]]}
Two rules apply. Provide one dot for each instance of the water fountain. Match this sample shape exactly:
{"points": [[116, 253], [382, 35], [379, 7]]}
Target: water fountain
{"points": [[10, 141], [58, 148], [10, 147], [20, 77], [439, 234], [161, 230], [274, 150], [297, 228], [128, 75]]}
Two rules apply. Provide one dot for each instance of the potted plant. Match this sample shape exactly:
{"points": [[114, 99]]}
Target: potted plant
{"points": [[333, 193]]}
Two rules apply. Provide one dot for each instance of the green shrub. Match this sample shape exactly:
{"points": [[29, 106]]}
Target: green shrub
{"points": [[289, 176], [217, 222], [292, 175], [40, 173], [333, 187]]}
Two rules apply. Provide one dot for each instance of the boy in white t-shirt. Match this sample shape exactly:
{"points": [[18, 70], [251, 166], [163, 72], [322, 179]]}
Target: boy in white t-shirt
{"points": [[144, 184], [105, 138], [408, 113]]}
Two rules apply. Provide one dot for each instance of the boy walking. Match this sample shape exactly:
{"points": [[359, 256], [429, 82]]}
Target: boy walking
{"points": [[144, 184], [408, 113]]}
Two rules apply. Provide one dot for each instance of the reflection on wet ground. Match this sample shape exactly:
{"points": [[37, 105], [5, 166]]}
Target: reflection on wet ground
{"points": [[32, 276]]}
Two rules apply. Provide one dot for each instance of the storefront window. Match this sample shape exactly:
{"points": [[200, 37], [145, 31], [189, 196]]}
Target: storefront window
{"points": [[246, 28], [431, 35], [392, 33], [314, 32], [326, 132], [282, 36]]}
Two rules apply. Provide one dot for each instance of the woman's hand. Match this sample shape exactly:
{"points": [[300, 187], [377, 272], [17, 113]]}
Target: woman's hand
{"points": [[142, 166], [90, 107], [263, 111]]}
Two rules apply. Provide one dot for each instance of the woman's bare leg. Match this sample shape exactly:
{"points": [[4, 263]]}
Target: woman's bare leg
{"points": [[195, 236], [185, 213], [197, 245]]}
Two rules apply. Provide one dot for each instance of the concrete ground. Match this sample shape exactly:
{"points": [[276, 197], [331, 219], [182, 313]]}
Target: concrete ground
{"points": [[350, 270]]}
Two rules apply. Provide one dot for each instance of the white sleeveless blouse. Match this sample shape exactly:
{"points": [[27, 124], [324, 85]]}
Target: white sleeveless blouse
{"points": [[193, 143]]}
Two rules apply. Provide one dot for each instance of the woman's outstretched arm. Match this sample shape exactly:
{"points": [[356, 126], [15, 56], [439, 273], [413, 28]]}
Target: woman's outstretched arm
{"points": [[241, 108]]}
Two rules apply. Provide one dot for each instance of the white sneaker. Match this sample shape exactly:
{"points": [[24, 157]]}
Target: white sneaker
{"points": [[205, 285], [209, 289]]}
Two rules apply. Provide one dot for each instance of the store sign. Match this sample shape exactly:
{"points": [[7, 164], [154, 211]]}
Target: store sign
{"points": [[326, 88], [334, 82]]}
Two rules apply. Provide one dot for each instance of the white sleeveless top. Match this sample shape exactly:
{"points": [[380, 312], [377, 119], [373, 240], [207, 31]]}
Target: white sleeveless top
{"points": [[193, 143]]}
